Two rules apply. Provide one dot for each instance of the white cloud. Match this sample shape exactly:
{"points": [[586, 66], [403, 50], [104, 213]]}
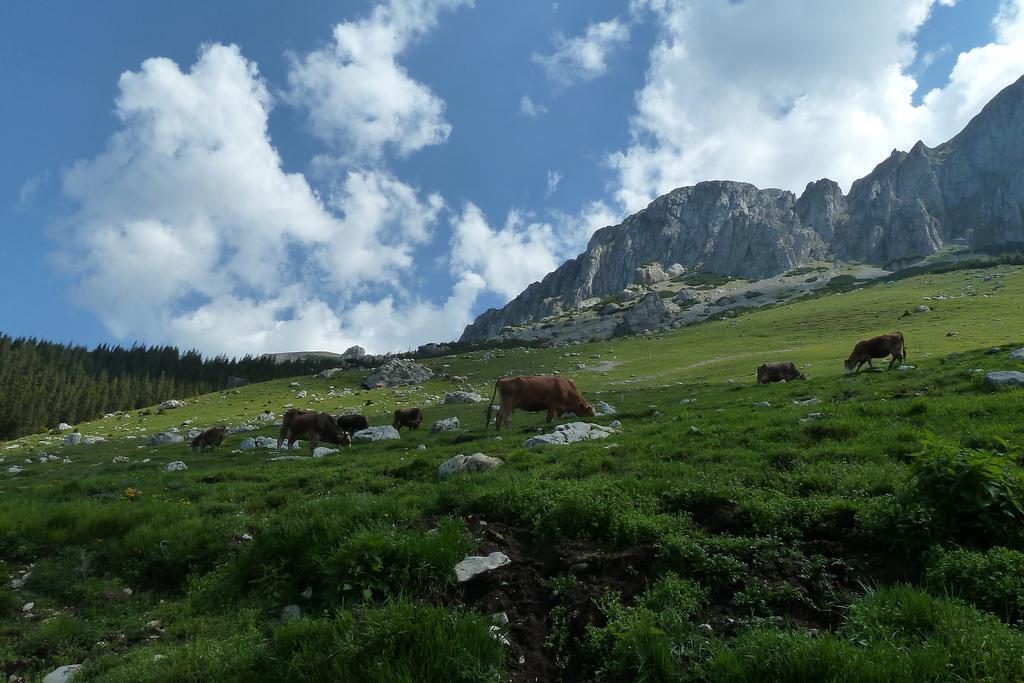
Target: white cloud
{"points": [[509, 258], [531, 108], [359, 99], [554, 177], [584, 57], [779, 95], [189, 231]]}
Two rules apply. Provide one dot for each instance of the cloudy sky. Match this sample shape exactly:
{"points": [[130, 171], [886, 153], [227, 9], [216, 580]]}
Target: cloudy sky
{"points": [[256, 176]]}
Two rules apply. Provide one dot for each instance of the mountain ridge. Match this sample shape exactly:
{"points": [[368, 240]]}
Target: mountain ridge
{"points": [[969, 190]]}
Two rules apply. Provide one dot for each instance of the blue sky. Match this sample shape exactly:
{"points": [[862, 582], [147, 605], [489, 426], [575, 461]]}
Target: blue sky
{"points": [[255, 177]]}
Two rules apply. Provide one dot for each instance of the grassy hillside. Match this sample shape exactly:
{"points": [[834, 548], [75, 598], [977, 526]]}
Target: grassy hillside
{"points": [[855, 528]]}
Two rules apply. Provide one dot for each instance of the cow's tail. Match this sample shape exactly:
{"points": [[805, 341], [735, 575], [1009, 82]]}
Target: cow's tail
{"points": [[903, 345], [490, 407]]}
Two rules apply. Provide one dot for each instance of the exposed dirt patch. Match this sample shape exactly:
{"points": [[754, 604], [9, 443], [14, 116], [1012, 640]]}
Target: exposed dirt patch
{"points": [[522, 591]]}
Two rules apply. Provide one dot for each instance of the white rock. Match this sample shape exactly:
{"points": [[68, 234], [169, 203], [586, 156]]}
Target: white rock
{"points": [[762, 404], [271, 442], [172, 403], [165, 437], [323, 451], [247, 444], [474, 565], [176, 466], [18, 582], [291, 612], [922, 309], [449, 424], [603, 408], [27, 607], [570, 433], [119, 459], [813, 401], [462, 464], [302, 394], [1017, 355], [675, 270], [615, 424], [266, 417], [73, 439], [63, 674], [421, 447], [89, 440], [384, 433], [64, 426], [280, 458], [1005, 378], [457, 397], [14, 469], [907, 367]]}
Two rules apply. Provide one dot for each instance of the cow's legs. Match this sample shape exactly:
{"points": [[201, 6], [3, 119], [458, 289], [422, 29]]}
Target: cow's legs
{"points": [[285, 434], [551, 414]]}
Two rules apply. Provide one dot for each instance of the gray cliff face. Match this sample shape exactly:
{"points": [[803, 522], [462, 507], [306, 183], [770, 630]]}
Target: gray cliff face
{"points": [[970, 188]]}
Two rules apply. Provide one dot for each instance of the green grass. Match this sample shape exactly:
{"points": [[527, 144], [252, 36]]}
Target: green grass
{"points": [[711, 539]]}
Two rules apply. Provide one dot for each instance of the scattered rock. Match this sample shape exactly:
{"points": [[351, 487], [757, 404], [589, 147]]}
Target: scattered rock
{"points": [[615, 424], [323, 451], [675, 270], [302, 394], [449, 424], [1017, 355], [695, 430], [421, 447], [1001, 378], [397, 372], [570, 433], [28, 606], [687, 401], [647, 313], [64, 426], [649, 274], [474, 565], [247, 444], [376, 434], [907, 367], [328, 373], [165, 437], [762, 404], [812, 401], [266, 416], [172, 403], [280, 458], [19, 582], [462, 464], [63, 674], [176, 466], [610, 308], [922, 309], [118, 459], [73, 439], [14, 469], [603, 408], [457, 397]]}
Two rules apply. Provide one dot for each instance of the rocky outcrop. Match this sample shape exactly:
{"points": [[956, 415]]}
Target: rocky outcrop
{"points": [[968, 190], [397, 372]]}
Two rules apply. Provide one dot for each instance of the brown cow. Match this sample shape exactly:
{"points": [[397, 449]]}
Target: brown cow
{"points": [[352, 423], [778, 372], [213, 437], [314, 426], [877, 347], [556, 395], [408, 417]]}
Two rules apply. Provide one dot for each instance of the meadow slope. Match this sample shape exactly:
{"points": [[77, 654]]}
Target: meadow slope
{"points": [[854, 528]]}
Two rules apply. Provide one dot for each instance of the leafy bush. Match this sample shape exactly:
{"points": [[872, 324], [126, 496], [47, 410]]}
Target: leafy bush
{"points": [[977, 495], [992, 580]]}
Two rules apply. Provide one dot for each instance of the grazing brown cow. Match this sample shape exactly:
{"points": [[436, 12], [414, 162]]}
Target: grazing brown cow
{"points": [[408, 417], [556, 395], [778, 372], [212, 437], [877, 347], [314, 426], [352, 423]]}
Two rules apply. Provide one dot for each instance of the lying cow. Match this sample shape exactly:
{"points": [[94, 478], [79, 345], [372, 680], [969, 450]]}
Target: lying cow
{"points": [[408, 417], [556, 395], [316, 427], [778, 372], [213, 438], [877, 347], [352, 423]]}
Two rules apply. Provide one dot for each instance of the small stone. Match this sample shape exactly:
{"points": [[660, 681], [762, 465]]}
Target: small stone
{"points": [[603, 408], [762, 404], [176, 466], [155, 625], [63, 674], [457, 397], [812, 401], [474, 565], [323, 451], [247, 444], [291, 613], [27, 607], [118, 459], [73, 439], [1017, 355], [922, 309], [1005, 378], [615, 424], [695, 430], [907, 367], [461, 464], [384, 433], [421, 447]]}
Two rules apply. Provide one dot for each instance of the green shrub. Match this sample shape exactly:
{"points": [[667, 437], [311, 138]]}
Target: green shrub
{"points": [[992, 580], [398, 642], [977, 495]]}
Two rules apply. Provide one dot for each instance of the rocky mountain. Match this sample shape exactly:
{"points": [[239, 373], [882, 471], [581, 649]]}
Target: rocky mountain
{"points": [[968, 190]]}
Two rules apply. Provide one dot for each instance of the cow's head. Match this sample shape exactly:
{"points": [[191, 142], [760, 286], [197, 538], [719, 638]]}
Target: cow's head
{"points": [[762, 370], [584, 408], [802, 376], [850, 366]]}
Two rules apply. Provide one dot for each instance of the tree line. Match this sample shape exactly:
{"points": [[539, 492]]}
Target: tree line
{"points": [[44, 383]]}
